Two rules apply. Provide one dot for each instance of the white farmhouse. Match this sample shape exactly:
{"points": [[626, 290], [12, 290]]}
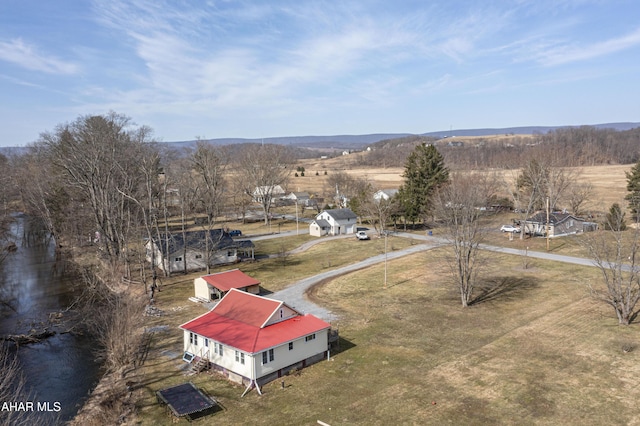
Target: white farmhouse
{"points": [[273, 192], [334, 222], [253, 340], [385, 194]]}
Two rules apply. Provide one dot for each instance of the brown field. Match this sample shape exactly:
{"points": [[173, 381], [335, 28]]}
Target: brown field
{"points": [[609, 182], [538, 351]]}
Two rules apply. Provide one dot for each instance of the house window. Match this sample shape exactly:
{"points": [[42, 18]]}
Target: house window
{"points": [[230, 253], [198, 256], [281, 313], [240, 357], [290, 346], [193, 339], [178, 259], [268, 356], [206, 343], [218, 349], [310, 337]]}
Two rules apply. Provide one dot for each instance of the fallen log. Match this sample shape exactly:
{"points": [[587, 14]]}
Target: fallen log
{"points": [[25, 339]]}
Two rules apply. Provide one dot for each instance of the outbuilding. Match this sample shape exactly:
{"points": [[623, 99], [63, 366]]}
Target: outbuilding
{"points": [[215, 286], [334, 222]]}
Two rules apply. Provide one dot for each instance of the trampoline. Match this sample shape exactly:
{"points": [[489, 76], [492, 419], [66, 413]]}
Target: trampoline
{"points": [[186, 400]]}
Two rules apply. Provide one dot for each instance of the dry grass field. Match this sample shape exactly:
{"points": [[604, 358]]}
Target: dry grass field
{"points": [[539, 350], [609, 182]]}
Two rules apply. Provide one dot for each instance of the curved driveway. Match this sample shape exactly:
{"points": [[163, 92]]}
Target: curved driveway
{"points": [[294, 295]]}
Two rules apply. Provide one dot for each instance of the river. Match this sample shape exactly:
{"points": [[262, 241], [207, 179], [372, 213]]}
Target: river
{"points": [[60, 371]]}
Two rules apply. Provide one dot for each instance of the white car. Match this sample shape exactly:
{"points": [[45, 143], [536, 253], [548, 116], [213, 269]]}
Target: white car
{"points": [[509, 228], [361, 235]]}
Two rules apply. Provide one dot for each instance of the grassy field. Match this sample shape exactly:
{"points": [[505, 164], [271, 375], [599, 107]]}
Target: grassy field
{"points": [[609, 182], [538, 350]]}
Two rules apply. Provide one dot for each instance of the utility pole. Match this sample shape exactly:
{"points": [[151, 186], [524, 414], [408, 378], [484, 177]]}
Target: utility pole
{"points": [[548, 227], [385, 259]]}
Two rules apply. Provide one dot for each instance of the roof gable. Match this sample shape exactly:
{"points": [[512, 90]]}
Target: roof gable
{"points": [[227, 280], [246, 308]]}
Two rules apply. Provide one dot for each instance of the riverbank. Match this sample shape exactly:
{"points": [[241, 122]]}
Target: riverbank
{"points": [[38, 287]]}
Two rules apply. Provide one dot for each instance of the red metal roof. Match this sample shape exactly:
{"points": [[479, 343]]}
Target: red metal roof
{"points": [[235, 324], [227, 280]]}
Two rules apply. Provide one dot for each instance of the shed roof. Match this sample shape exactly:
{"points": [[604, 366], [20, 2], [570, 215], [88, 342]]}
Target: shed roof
{"points": [[322, 223], [227, 280]]}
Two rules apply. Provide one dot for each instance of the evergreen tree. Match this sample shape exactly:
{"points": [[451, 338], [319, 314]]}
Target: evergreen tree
{"points": [[424, 173], [614, 220], [633, 186]]}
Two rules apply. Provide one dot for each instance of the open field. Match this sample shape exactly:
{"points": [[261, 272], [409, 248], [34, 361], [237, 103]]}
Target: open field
{"points": [[538, 350], [609, 182]]}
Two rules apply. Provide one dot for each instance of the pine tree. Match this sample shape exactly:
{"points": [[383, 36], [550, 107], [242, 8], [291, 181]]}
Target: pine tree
{"points": [[424, 173], [633, 186]]}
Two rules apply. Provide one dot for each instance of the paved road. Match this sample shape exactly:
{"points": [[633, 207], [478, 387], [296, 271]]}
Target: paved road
{"points": [[294, 295]]}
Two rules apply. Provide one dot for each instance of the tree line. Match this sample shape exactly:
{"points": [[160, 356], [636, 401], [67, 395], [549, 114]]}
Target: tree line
{"points": [[572, 147]]}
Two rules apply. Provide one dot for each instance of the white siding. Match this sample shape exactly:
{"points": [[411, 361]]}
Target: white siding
{"points": [[285, 357], [282, 314], [201, 289]]}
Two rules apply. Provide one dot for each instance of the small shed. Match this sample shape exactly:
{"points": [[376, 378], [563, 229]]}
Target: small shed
{"points": [[215, 286]]}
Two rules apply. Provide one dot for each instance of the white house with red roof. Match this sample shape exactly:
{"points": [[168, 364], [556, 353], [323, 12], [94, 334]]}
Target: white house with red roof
{"points": [[253, 340], [215, 286]]}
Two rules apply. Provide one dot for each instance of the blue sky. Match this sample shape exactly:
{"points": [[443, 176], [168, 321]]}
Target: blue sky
{"points": [[255, 69]]}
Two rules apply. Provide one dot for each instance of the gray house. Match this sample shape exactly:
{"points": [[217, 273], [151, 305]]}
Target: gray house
{"points": [[172, 252], [559, 224], [334, 222]]}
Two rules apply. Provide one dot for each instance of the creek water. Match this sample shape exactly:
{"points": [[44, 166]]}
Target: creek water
{"points": [[60, 370]]}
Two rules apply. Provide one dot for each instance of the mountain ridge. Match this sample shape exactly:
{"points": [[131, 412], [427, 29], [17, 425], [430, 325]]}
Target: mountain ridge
{"points": [[360, 141]]}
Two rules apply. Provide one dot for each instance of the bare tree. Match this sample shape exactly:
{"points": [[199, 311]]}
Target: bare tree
{"points": [[263, 168], [95, 155], [378, 211], [459, 205], [209, 165], [578, 196], [615, 253]]}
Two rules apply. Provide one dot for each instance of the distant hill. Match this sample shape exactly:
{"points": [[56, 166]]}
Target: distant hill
{"points": [[528, 130], [340, 142], [361, 141]]}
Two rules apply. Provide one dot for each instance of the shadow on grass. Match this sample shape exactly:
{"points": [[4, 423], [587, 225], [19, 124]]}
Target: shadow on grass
{"points": [[341, 345], [503, 288]]}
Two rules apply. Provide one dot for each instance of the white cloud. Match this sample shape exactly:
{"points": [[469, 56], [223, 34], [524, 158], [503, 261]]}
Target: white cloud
{"points": [[563, 54], [27, 56]]}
